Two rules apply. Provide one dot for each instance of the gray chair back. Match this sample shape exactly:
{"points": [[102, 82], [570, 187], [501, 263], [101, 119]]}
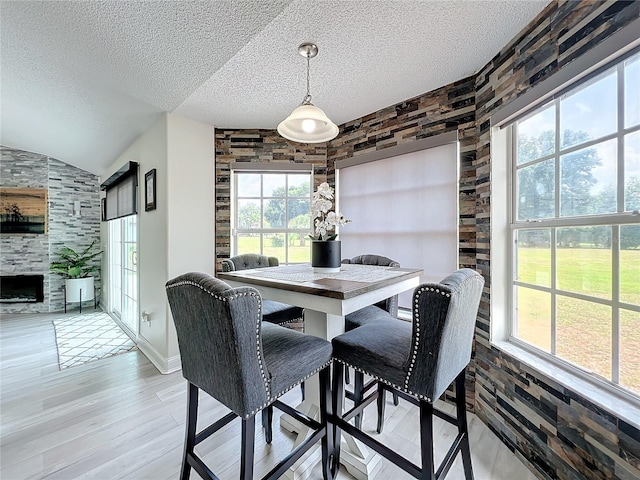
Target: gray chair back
{"points": [[390, 304], [444, 319], [219, 338], [247, 261]]}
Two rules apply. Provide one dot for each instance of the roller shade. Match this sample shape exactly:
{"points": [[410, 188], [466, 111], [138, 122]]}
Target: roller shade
{"points": [[121, 192]]}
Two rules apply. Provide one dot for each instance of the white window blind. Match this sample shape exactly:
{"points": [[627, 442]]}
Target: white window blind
{"points": [[406, 208]]}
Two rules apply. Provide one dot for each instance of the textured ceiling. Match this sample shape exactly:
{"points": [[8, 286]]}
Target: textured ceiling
{"points": [[81, 80]]}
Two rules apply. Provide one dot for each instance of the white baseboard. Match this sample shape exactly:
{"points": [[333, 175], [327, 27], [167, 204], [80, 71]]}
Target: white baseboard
{"points": [[164, 365]]}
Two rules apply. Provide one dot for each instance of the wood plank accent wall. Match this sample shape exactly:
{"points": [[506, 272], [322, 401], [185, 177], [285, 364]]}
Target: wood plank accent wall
{"points": [[559, 431], [255, 146]]}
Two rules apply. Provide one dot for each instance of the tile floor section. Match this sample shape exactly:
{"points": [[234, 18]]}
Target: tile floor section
{"points": [[85, 338]]}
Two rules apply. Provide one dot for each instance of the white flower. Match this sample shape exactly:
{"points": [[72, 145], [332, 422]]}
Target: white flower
{"points": [[325, 220], [324, 190]]}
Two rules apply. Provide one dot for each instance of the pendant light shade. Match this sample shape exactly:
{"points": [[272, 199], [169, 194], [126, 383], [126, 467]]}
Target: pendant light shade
{"points": [[308, 123]]}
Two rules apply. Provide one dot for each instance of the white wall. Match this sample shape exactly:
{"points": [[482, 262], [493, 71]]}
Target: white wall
{"points": [[178, 236], [191, 202]]}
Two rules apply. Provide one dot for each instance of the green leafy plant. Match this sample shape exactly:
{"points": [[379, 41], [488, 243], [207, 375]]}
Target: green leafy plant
{"points": [[74, 264]]}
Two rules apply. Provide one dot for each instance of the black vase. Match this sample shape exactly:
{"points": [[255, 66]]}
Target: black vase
{"points": [[325, 256]]}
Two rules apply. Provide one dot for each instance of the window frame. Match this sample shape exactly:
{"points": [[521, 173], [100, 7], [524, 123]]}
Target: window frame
{"points": [[266, 169], [615, 220]]}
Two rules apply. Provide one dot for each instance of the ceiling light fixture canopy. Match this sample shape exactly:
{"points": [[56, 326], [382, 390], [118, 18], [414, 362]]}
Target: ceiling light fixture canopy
{"points": [[308, 123]]}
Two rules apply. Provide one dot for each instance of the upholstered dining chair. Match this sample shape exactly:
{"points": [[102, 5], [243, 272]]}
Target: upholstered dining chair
{"points": [[228, 352], [384, 310], [419, 360], [272, 311]]}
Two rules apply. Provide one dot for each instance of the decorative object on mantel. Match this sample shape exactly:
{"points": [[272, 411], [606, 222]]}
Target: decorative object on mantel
{"points": [[85, 338], [150, 190], [307, 123], [325, 249], [79, 285]]}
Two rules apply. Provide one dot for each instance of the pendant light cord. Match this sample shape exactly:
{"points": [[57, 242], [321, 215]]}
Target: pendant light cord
{"points": [[307, 98]]}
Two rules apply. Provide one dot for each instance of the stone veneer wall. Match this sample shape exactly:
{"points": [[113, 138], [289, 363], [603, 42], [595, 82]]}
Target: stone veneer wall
{"points": [[257, 146], [558, 431], [32, 254]]}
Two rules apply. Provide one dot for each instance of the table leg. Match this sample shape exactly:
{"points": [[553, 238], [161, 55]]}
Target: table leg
{"points": [[355, 457]]}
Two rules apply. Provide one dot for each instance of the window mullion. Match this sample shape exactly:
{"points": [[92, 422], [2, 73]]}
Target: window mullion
{"points": [[620, 133], [557, 160], [554, 231], [554, 289], [615, 311], [286, 219]]}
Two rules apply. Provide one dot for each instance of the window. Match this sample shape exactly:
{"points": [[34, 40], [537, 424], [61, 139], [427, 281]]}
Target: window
{"points": [[406, 208], [575, 226], [272, 214]]}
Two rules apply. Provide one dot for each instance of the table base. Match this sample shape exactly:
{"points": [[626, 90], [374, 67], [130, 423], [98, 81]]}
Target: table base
{"points": [[358, 460]]}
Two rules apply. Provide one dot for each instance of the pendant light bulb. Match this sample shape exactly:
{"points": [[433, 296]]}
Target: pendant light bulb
{"points": [[308, 125]]}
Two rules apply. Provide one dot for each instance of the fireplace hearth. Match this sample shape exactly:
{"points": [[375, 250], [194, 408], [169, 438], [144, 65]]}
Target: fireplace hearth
{"points": [[21, 288]]}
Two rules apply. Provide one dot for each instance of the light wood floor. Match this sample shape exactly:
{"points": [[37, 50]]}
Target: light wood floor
{"points": [[119, 418]]}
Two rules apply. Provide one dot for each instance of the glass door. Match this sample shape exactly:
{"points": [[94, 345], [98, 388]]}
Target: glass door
{"points": [[123, 271]]}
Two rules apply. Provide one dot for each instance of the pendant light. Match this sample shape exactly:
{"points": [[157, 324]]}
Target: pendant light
{"points": [[307, 123]]}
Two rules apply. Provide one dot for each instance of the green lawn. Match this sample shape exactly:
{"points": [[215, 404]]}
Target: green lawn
{"points": [[297, 253], [584, 329]]}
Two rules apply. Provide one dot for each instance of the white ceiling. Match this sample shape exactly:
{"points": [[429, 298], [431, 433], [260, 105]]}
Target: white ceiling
{"points": [[81, 80]]}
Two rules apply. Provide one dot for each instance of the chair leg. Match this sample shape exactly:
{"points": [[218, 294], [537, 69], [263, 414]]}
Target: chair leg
{"points": [[267, 423], [246, 453], [396, 399], [337, 407], [190, 437], [302, 390], [325, 413], [461, 410], [426, 440], [347, 380], [381, 404], [358, 387]]}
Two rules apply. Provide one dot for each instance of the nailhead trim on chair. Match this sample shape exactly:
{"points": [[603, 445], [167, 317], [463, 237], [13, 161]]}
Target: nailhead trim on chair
{"points": [[293, 320], [265, 379], [275, 397], [416, 320]]}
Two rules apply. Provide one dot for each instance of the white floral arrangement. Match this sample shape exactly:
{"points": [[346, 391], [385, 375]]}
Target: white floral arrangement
{"points": [[325, 220]]}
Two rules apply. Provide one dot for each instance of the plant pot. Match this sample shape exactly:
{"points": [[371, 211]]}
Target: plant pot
{"points": [[325, 256], [74, 287]]}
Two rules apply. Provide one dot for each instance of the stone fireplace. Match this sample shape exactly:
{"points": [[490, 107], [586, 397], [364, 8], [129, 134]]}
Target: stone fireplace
{"points": [[27, 285]]}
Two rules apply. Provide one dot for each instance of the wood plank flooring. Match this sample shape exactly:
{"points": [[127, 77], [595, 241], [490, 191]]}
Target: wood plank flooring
{"points": [[118, 418]]}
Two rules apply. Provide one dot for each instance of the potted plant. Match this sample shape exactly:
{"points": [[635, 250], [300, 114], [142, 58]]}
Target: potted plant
{"points": [[77, 269], [325, 249]]}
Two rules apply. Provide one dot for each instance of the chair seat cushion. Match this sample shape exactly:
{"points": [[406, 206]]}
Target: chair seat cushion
{"points": [[365, 316], [380, 349], [291, 356], [279, 313]]}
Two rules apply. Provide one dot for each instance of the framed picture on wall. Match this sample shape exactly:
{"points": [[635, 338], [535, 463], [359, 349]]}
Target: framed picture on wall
{"points": [[23, 210], [150, 190]]}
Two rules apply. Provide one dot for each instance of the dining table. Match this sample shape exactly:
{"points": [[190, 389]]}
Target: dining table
{"points": [[326, 299]]}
